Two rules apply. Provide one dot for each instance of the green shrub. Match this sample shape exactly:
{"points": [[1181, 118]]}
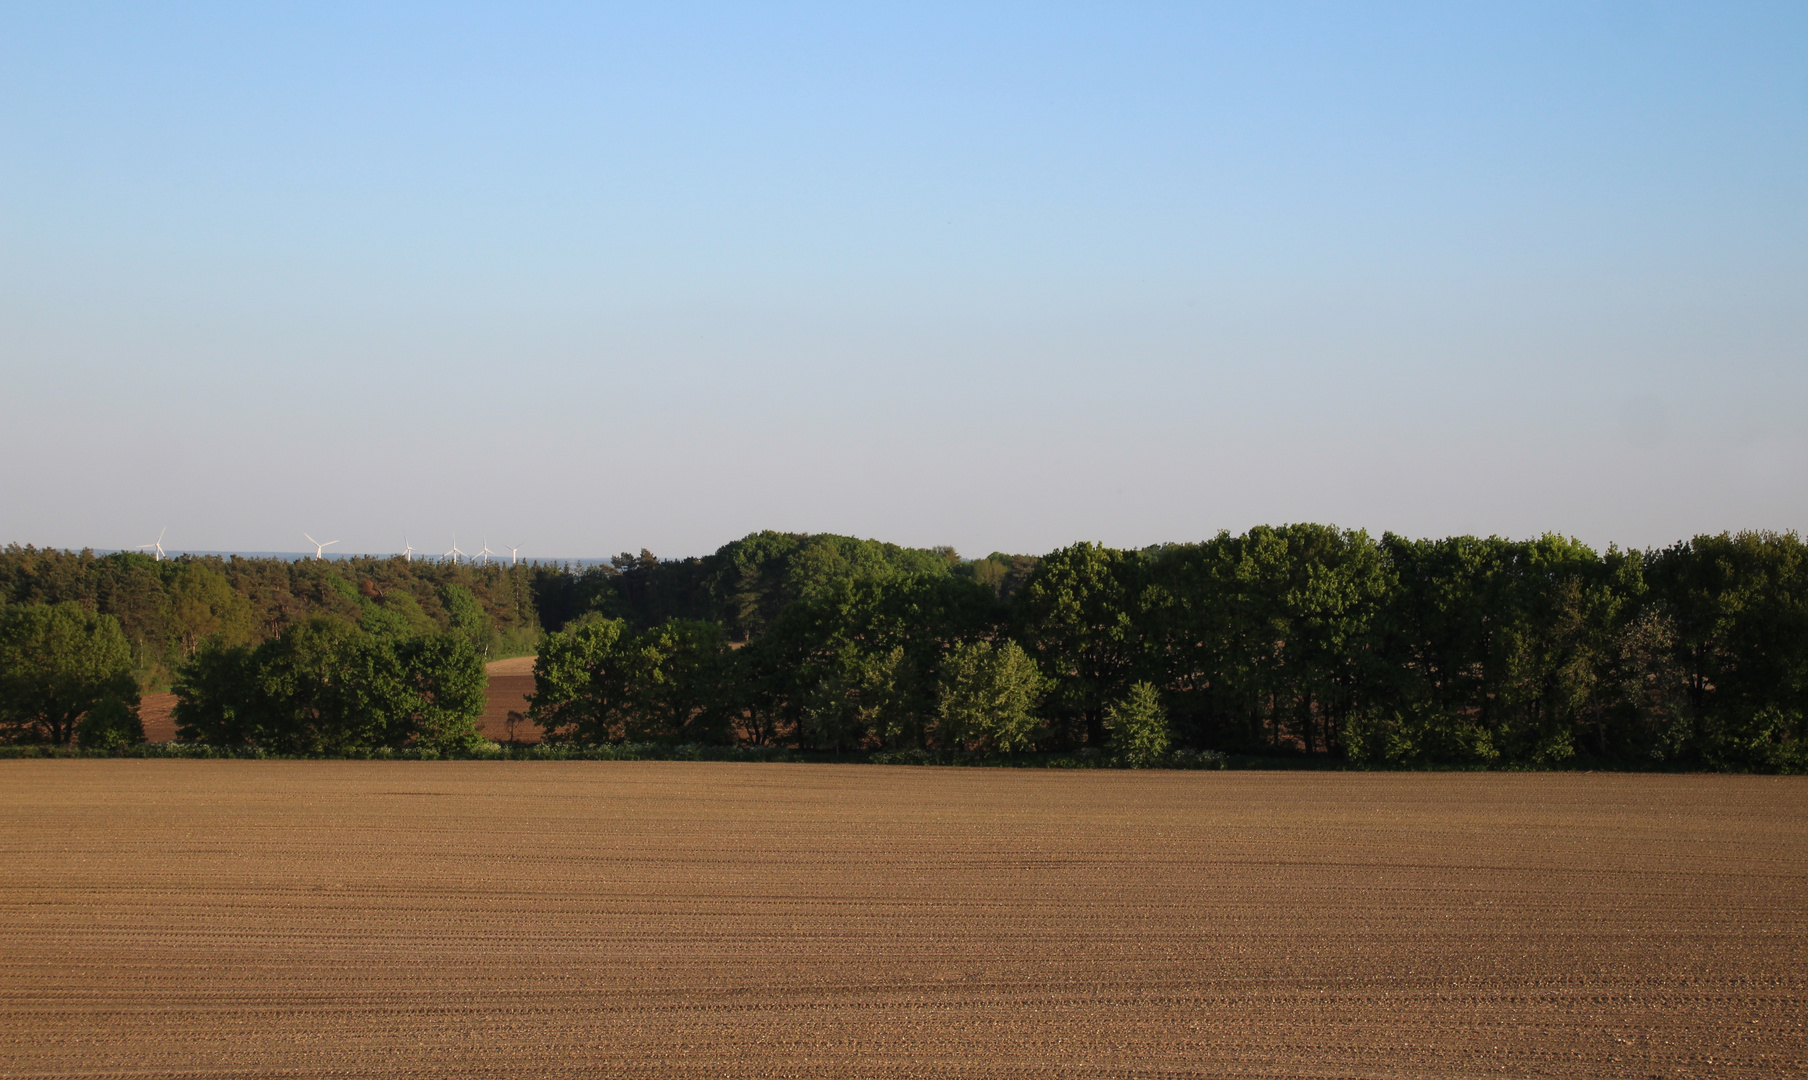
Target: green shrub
{"points": [[988, 697], [1138, 726]]}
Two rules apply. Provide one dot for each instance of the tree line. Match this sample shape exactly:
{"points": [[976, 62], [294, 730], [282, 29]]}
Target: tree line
{"points": [[309, 656], [1298, 640]]}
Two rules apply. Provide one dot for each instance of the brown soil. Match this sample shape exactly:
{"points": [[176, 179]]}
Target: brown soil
{"points": [[165, 918], [157, 713], [510, 682]]}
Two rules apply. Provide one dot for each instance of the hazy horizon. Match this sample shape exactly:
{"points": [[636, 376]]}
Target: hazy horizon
{"points": [[1001, 278]]}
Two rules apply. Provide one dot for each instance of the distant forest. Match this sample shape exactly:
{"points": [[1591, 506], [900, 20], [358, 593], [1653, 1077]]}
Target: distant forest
{"points": [[1301, 640]]}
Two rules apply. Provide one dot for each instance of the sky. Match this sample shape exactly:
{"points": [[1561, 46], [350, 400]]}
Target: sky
{"points": [[593, 278]]}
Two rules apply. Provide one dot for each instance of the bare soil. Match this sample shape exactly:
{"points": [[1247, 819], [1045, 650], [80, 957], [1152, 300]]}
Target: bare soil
{"points": [[510, 682], [157, 712], [233, 918]]}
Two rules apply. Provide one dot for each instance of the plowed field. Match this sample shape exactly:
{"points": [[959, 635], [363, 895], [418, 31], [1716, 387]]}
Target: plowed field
{"points": [[162, 918], [510, 683]]}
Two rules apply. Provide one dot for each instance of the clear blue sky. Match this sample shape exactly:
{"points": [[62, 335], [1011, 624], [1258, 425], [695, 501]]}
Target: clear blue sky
{"points": [[1002, 277]]}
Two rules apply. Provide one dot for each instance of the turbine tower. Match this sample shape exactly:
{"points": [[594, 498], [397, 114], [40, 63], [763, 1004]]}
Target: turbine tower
{"points": [[156, 548], [319, 547], [407, 548], [485, 553], [515, 553], [454, 553]]}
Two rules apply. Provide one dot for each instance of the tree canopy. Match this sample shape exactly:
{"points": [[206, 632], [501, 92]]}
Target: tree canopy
{"points": [[66, 672], [327, 686], [1303, 639]]}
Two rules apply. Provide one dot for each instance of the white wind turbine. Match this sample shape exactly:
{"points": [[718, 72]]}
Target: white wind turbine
{"points": [[319, 547], [157, 547], [407, 548], [454, 553], [515, 553], [485, 553]]}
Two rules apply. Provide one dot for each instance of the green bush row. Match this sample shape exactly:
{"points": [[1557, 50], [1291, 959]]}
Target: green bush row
{"points": [[1084, 758]]}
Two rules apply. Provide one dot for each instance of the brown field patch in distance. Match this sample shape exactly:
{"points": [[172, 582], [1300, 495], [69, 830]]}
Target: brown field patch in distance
{"points": [[158, 713], [514, 665], [511, 681], [177, 918]]}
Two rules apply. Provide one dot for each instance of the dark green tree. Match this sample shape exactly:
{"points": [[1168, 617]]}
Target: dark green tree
{"points": [[1497, 651], [580, 694], [1739, 605], [856, 662], [327, 687], [753, 579], [66, 671], [677, 682], [598, 682], [1078, 616]]}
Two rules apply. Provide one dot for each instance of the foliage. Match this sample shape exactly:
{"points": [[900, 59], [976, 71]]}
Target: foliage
{"points": [[575, 695], [1001, 573], [753, 580], [201, 605], [599, 682], [566, 751], [464, 615], [1138, 726], [988, 698], [1264, 640], [1302, 640], [856, 664], [1740, 608], [1078, 615], [66, 673], [328, 686], [168, 608], [854, 695]]}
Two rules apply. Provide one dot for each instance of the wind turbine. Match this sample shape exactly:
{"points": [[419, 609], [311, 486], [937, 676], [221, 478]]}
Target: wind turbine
{"points": [[407, 548], [157, 547], [454, 553], [485, 553], [515, 553], [319, 547]]}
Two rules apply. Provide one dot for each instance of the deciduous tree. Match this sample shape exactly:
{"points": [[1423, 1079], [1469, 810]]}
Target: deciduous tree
{"points": [[988, 697], [1138, 726], [65, 670]]}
